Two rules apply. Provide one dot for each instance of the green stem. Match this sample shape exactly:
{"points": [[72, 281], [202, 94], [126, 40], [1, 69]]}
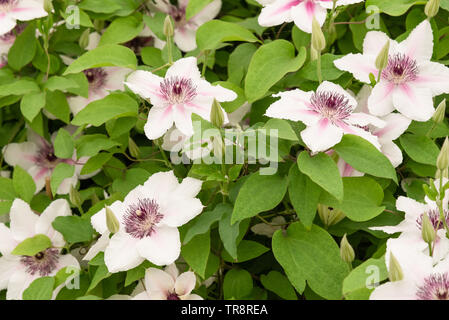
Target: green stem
{"points": [[318, 68], [170, 50], [167, 162]]}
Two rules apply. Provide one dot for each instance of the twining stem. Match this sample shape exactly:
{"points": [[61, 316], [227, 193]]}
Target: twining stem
{"points": [[167, 162]]}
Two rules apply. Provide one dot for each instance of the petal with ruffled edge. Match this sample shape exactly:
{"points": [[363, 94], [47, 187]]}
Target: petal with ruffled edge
{"points": [[163, 247], [277, 13], [121, 253], [413, 102], [434, 76], [189, 187], [380, 102], [147, 85], [396, 124], [419, 43], [158, 122], [185, 68], [161, 183], [321, 136], [23, 220], [304, 13], [180, 210], [58, 208]]}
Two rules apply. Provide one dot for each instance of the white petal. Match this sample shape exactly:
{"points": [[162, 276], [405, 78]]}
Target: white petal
{"points": [[328, 86], [434, 76], [362, 99], [419, 43], [413, 102], [58, 208], [8, 266], [321, 136], [28, 10], [23, 220], [77, 104], [185, 283], [94, 40], [99, 246], [412, 208], [204, 88], [189, 187], [159, 121], [359, 65], [180, 210], [392, 152], [115, 78], [277, 13], [304, 13], [374, 42], [174, 140], [147, 85], [21, 154], [157, 280], [122, 254], [185, 38], [163, 247], [67, 184], [208, 13], [182, 117], [17, 284], [396, 126], [172, 270], [7, 242], [397, 290], [141, 296], [192, 297], [7, 23], [67, 260], [39, 175], [161, 183], [185, 68], [380, 103], [364, 119]]}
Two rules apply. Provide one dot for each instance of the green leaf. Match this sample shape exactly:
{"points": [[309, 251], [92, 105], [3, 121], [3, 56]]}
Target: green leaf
{"points": [[279, 284], [362, 200], [96, 162], [122, 30], [100, 274], [211, 34], [393, 8], [90, 145], [24, 48], [328, 69], [247, 250], [32, 246], [322, 170], [311, 256], [364, 157], [57, 105], [60, 83], [62, 171], [238, 62], [132, 178], [204, 221], [18, 88], [31, 104], [113, 106], [7, 191], [304, 195], [74, 228], [420, 148], [269, 64], [281, 129], [196, 253], [104, 56], [152, 56], [64, 144], [40, 289], [23, 184], [237, 284], [195, 6], [270, 192]]}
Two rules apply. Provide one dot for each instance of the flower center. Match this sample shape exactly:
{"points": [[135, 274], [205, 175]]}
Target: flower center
{"points": [[141, 218], [10, 36], [434, 217], [96, 78], [7, 5], [435, 287], [46, 156], [178, 15], [400, 69], [178, 90], [138, 43], [331, 105], [43, 263], [173, 296]]}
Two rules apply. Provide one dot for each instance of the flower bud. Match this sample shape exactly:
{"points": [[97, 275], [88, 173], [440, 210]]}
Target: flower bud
{"points": [[382, 57], [346, 251], [84, 39], [330, 216], [318, 40], [48, 6], [443, 157], [111, 221], [395, 271], [427, 231], [216, 114], [75, 197], [431, 8], [134, 150], [168, 27], [440, 113]]}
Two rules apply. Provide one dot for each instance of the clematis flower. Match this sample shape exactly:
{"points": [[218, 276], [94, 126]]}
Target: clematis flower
{"points": [[176, 97], [301, 12], [37, 157], [168, 285], [18, 272], [328, 114], [185, 30], [411, 226], [146, 38], [23, 10], [149, 217], [422, 280], [410, 79]]}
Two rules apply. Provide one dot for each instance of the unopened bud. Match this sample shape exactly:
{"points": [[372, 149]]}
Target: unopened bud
{"points": [[444, 174], [111, 221], [395, 271], [346, 251], [431, 8], [427, 230], [382, 57], [318, 40], [48, 6], [168, 27], [133, 148], [74, 197], [330, 216], [443, 157], [440, 113], [216, 114], [84, 39]]}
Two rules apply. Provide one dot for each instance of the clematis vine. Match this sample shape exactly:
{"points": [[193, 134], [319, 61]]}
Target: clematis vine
{"points": [[168, 285], [18, 272], [328, 114], [185, 30], [410, 79], [37, 157], [148, 219], [23, 10], [175, 97], [301, 12]]}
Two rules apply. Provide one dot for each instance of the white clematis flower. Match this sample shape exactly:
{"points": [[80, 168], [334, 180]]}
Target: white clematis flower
{"points": [[176, 97], [301, 12], [37, 157], [23, 10], [18, 272], [185, 30], [328, 114], [149, 218], [422, 280], [410, 79], [168, 285]]}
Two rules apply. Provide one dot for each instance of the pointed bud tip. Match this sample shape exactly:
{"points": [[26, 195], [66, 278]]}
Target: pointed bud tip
{"points": [[346, 251], [318, 40], [395, 271], [111, 221]]}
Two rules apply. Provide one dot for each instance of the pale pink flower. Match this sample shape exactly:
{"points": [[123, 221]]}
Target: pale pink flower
{"points": [[18, 272], [23, 10], [410, 79]]}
